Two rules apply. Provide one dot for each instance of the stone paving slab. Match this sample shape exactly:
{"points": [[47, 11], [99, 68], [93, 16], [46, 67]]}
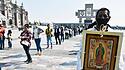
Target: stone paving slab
{"points": [[61, 57]]}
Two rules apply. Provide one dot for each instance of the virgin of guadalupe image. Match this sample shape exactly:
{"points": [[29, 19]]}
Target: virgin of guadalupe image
{"points": [[99, 56]]}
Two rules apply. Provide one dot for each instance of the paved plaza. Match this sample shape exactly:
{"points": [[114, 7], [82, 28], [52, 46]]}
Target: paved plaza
{"points": [[61, 57]]}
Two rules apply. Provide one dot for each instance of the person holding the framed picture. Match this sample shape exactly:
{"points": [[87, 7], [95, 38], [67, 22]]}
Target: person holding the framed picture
{"points": [[101, 24], [101, 21]]}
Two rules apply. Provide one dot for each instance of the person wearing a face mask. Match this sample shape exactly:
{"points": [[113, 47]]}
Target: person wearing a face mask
{"points": [[100, 24], [101, 21]]}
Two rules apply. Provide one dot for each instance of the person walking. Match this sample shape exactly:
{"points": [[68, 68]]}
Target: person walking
{"points": [[25, 37], [9, 38], [49, 35], [36, 37]]}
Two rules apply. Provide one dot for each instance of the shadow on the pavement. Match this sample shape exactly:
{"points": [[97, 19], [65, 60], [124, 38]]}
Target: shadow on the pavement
{"points": [[32, 48], [4, 65], [73, 54], [73, 63], [7, 64], [74, 51], [19, 67], [5, 49], [14, 56], [52, 44], [36, 49]]}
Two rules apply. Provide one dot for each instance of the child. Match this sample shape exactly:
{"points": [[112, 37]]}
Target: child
{"points": [[9, 37]]}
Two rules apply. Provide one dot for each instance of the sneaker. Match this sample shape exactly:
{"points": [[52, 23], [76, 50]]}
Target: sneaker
{"points": [[37, 54], [26, 61], [29, 62], [40, 54], [51, 47], [47, 47], [9, 48]]}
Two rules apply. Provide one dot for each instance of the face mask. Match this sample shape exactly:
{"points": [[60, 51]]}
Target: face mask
{"points": [[102, 21]]}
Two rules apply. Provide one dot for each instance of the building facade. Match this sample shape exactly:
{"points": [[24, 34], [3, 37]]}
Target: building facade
{"points": [[12, 14]]}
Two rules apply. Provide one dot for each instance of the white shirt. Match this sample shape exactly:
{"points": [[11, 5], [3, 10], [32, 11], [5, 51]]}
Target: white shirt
{"points": [[36, 34], [94, 29]]}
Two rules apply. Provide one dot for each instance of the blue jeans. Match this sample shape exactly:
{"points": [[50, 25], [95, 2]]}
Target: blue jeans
{"points": [[1, 42], [49, 39], [9, 44], [62, 37], [37, 41]]}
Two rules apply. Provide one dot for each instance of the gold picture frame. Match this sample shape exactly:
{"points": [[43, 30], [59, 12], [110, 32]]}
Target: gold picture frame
{"points": [[101, 50]]}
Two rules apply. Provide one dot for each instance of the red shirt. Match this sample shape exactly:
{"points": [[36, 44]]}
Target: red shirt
{"points": [[2, 31]]}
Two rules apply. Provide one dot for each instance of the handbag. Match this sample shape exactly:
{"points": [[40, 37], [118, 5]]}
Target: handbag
{"points": [[24, 42]]}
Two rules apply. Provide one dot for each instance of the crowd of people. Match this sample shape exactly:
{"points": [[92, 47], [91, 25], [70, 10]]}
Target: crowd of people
{"points": [[2, 37], [60, 33]]}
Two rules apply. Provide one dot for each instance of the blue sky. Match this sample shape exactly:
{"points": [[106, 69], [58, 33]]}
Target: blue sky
{"points": [[64, 10]]}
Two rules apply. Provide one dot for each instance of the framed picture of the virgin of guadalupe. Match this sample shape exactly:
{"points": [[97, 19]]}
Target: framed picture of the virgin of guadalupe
{"points": [[101, 50]]}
